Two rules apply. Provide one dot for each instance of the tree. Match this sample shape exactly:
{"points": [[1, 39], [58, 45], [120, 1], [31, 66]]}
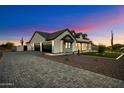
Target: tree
{"points": [[7, 46], [117, 47]]}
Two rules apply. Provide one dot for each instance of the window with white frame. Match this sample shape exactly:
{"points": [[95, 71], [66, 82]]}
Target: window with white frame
{"points": [[67, 45]]}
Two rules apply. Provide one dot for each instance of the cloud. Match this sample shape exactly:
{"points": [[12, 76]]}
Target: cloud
{"points": [[103, 21]]}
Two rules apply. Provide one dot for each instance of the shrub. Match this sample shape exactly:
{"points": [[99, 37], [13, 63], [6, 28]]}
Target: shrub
{"points": [[101, 49], [7, 47]]}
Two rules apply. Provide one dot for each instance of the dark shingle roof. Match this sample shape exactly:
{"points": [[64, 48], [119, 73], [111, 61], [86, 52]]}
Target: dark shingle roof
{"points": [[51, 36], [78, 35], [44, 34]]}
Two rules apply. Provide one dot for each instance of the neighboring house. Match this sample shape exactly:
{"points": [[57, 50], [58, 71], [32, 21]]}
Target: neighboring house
{"points": [[59, 42]]}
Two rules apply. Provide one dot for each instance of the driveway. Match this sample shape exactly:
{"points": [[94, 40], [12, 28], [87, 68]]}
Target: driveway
{"points": [[0, 55], [25, 70], [105, 66]]}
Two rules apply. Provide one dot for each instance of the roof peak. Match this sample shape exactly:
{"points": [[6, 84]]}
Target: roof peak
{"points": [[53, 35], [66, 29]]}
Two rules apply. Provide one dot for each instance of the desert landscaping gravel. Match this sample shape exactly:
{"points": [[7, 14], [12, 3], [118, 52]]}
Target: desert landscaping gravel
{"points": [[25, 70]]}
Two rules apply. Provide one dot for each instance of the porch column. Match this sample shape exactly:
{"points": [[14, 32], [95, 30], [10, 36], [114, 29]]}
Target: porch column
{"points": [[41, 46], [90, 46], [87, 46], [32, 47], [61, 46], [53, 46], [81, 47]]}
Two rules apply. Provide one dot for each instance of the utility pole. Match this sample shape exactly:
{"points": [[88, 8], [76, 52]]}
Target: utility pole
{"points": [[112, 40]]}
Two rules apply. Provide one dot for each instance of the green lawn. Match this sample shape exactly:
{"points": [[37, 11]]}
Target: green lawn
{"points": [[106, 54]]}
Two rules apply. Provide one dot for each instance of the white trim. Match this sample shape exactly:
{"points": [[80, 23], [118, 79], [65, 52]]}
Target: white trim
{"points": [[32, 46], [53, 43], [120, 56], [41, 46], [61, 46]]}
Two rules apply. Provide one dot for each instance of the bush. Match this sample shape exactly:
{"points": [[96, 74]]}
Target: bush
{"points": [[7, 47], [101, 49], [117, 47]]}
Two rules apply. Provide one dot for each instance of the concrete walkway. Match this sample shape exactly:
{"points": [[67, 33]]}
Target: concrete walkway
{"points": [[25, 70]]}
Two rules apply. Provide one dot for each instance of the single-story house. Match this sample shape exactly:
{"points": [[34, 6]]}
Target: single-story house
{"points": [[59, 42]]}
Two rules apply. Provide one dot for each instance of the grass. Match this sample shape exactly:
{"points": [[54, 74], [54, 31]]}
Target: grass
{"points": [[106, 54]]}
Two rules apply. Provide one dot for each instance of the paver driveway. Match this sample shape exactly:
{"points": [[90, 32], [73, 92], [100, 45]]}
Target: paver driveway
{"points": [[25, 70], [104, 66], [0, 55]]}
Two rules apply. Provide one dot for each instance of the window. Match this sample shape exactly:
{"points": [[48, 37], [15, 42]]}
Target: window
{"points": [[67, 45]]}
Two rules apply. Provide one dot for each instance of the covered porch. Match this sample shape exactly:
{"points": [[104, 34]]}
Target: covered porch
{"points": [[83, 46], [67, 44]]}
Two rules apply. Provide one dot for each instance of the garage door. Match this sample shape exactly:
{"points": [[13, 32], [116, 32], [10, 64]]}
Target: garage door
{"points": [[47, 48], [37, 47]]}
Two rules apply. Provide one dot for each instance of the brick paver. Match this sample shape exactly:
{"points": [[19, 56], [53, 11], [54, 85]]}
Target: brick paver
{"points": [[25, 70]]}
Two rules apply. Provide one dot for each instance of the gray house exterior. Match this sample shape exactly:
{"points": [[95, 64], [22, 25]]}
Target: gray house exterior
{"points": [[63, 41]]}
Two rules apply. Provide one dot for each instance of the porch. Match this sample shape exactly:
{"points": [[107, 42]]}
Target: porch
{"points": [[83, 46]]}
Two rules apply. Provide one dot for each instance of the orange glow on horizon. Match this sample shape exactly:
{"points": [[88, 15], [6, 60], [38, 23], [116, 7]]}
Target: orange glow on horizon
{"points": [[96, 40], [118, 39], [16, 42]]}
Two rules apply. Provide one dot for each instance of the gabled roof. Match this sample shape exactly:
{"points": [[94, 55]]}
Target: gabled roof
{"points": [[44, 34], [56, 34], [51, 36], [78, 35], [68, 38]]}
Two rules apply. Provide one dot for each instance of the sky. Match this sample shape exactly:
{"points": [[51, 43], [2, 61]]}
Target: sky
{"points": [[96, 21]]}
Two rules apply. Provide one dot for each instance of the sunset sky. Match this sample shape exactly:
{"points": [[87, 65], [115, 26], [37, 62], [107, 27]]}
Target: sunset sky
{"points": [[97, 21]]}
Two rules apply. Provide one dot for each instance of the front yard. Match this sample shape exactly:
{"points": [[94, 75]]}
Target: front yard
{"points": [[106, 54]]}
